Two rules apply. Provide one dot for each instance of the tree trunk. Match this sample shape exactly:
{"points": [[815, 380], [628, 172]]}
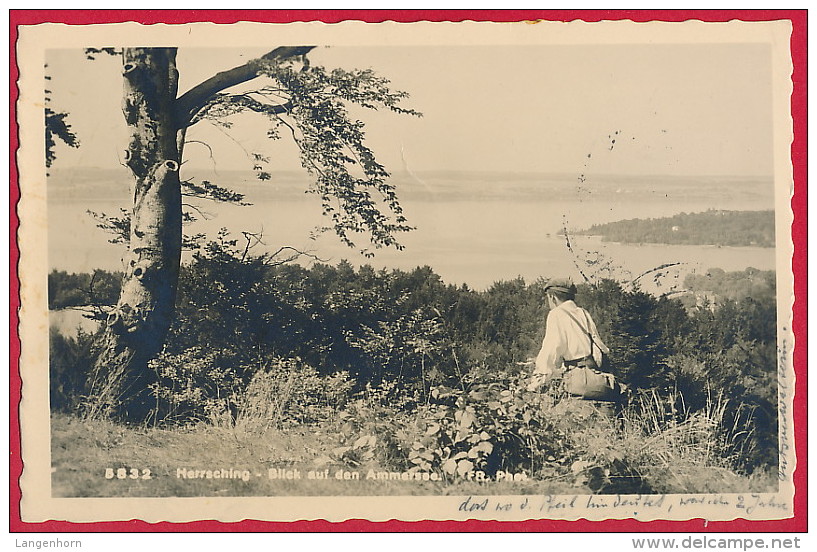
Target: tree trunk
{"points": [[136, 329]]}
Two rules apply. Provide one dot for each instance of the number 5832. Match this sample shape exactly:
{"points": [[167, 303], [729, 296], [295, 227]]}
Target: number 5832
{"points": [[127, 473]]}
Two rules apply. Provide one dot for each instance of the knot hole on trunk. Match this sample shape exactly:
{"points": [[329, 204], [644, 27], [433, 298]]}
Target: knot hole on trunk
{"points": [[114, 321], [171, 165], [139, 272]]}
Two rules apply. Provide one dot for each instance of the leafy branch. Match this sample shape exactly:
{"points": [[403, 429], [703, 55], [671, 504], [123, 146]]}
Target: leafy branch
{"points": [[311, 102], [212, 192]]}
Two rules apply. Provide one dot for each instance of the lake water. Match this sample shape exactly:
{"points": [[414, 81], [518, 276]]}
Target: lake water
{"points": [[474, 229]]}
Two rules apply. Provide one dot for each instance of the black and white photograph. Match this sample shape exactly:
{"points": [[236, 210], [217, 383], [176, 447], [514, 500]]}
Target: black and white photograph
{"points": [[406, 271]]}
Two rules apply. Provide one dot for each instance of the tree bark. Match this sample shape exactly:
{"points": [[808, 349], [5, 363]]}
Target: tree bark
{"points": [[136, 329]]}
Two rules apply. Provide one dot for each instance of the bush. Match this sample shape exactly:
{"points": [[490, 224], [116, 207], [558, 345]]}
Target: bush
{"points": [[70, 365], [200, 385], [747, 392], [487, 428], [372, 427], [287, 393], [193, 385], [656, 445]]}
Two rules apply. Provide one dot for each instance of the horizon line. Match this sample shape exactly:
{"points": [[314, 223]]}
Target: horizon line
{"points": [[457, 171]]}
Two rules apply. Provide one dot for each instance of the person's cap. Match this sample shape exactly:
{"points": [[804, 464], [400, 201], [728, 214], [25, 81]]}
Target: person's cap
{"points": [[561, 284]]}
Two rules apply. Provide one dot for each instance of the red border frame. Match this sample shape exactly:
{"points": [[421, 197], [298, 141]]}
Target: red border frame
{"points": [[799, 20]]}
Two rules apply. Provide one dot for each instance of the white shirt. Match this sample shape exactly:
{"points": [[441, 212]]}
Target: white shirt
{"points": [[566, 340]]}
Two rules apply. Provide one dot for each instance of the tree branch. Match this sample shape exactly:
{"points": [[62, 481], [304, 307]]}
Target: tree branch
{"points": [[188, 104], [203, 214], [292, 256]]}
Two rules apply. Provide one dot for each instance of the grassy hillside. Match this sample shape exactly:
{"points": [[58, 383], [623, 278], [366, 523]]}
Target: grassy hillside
{"points": [[546, 447], [423, 385], [82, 451]]}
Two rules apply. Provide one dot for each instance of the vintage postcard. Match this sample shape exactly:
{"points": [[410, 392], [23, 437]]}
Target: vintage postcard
{"points": [[514, 271]]}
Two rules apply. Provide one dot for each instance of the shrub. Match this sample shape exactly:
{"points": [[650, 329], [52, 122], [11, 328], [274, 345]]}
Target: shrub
{"points": [[200, 385], [195, 384], [487, 427], [435, 366], [492, 427], [656, 445], [288, 393], [370, 427]]}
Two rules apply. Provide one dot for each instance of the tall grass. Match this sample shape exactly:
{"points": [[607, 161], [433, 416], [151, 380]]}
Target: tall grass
{"points": [[286, 393], [656, 445], [298, 418], [677, 450]]}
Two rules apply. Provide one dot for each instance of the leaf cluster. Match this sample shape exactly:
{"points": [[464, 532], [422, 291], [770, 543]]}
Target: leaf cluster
{"points": [[488, 427], [56, 128]]}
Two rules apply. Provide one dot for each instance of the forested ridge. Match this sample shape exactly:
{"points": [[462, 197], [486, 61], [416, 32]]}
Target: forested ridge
{"points": [[712, 227]]}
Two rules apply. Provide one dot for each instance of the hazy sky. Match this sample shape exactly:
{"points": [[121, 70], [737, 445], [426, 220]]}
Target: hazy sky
{"points": [[676, 109]]}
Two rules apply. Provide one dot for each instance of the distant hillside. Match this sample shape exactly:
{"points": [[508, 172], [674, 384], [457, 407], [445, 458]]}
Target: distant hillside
{"points": [[717, 284], [713, 227]]}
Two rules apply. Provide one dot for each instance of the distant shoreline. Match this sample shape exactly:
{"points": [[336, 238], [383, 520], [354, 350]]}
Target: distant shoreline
{"points": [[715, 227], [474, 231]]}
